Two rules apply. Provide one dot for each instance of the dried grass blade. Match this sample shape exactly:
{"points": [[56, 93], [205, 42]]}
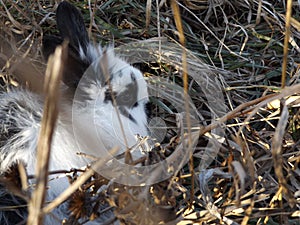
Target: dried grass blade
{"points": [[148, 13], [51, 86], [179, 26], [286, 41], [277, 154]]}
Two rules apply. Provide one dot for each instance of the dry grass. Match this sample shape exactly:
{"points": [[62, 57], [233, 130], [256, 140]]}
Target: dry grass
{"points": [[253, 175]]}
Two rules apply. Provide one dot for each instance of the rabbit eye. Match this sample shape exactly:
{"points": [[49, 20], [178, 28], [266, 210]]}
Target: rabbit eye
{"points": [[109, 96]]}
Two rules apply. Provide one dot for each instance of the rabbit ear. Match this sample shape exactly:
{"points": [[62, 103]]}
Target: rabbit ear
{"points": [[71, 26]]}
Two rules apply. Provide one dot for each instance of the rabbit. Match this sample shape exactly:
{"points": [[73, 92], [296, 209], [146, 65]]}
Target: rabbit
{"points": [[95, 80]]}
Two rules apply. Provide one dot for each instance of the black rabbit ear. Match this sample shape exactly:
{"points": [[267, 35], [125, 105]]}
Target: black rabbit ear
{"points": [[71, 26], [72, 29]]}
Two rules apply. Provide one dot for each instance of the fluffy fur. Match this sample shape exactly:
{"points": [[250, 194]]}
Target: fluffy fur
{"points": [[95, 76]]}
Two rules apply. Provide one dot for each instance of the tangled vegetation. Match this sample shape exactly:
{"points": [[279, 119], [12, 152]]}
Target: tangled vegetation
{"points": [[250, 174]]}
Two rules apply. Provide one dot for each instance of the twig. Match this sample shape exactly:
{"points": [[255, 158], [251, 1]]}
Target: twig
{"points": [[77, 183], [239, 110]]}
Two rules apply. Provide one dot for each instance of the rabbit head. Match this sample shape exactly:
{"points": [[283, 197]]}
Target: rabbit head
{"points": [[104, 85]]}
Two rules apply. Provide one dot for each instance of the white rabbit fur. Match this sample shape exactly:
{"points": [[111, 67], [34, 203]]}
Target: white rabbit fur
{"points": [[21, 110]]}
